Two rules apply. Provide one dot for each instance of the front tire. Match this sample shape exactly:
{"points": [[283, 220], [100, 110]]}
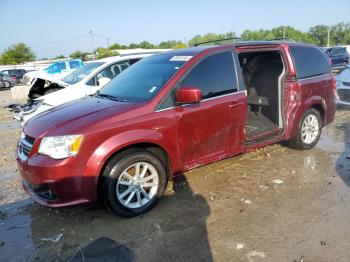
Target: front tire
{"points": [[309, 130], [7, 84], [133, 182]]}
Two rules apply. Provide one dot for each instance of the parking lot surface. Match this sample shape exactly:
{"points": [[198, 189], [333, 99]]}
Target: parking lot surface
{"points": [[274, 204]]}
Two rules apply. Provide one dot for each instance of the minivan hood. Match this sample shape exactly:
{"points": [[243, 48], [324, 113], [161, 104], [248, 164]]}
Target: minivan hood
{"points": [[74, 116]]}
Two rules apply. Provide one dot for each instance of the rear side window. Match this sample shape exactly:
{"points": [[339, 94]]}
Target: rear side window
{"points": [[61, 65], [74, 64], [214, 75], [338, 51], [309, 61]]}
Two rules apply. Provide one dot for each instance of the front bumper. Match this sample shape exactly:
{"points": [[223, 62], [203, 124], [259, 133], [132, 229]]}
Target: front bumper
{"points": [[57, 183], [23, 117]]}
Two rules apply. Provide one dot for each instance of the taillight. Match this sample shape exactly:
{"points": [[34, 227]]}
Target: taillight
{"points": [[1, 79], [14, 77]]}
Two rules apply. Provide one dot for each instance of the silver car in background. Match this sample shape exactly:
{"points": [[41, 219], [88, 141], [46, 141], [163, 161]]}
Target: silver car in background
{"points": [[2, 84], [8, 80], [343, 87]]}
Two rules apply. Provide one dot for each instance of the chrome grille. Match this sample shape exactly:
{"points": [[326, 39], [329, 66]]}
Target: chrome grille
{"points": [[25, 146]]}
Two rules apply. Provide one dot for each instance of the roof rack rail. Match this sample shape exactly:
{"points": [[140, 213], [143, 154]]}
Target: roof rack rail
{"points": [[139, 53], [235, 38], [217, 40], [276, 39]]}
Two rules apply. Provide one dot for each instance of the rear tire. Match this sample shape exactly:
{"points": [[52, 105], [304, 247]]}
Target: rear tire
{"points": [[133, 182], [309, 130]]}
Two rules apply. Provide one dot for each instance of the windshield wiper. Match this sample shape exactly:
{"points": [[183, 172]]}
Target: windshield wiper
{"points": [[114, 98]]}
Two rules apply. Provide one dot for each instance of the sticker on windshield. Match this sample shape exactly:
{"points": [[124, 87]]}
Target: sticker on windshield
{"points": [[181, 58], [152, 89]]}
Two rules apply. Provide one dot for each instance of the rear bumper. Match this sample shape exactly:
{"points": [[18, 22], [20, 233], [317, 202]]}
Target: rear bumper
{"points": [[57, 183]]}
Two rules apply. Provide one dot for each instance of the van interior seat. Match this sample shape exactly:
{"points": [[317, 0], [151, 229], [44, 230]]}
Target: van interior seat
{"points": [[116, 70], [262, 71]]}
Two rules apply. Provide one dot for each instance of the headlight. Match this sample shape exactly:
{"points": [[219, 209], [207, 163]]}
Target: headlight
{"points": [[31, 107], [59, 147]]}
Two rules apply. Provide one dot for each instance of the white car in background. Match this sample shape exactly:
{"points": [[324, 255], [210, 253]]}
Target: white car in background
{"points": [[56, 70], [46, 93]]}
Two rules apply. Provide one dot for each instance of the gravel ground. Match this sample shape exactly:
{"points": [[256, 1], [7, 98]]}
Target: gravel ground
{"points": [[274, 204]]}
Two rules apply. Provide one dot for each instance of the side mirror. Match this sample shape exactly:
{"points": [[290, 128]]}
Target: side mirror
{"points": [[188, 95]]}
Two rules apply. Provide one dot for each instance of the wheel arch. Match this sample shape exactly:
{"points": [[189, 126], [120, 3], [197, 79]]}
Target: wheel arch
{"points": [[151, 140], [152, 147], [315, 102], [320, 108]]}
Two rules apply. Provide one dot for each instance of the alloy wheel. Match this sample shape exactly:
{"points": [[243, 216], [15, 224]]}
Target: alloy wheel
{"points": [[137, 185], [310, 129]]}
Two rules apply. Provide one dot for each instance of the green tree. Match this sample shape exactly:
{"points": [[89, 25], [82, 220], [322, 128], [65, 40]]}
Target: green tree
{"points": [[319, 34], [59, 57], [179, 45], [146, 45], [78, 54], [340, 34], [17, 54], [104, 52], [133, 45], [210, 37], [114, 46]]}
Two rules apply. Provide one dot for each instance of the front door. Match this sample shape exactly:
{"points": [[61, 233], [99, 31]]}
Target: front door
{"points": [[213, 128]]}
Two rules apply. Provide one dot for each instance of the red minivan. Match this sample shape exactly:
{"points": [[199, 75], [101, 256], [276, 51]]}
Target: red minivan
{"points": [[172, 112]]}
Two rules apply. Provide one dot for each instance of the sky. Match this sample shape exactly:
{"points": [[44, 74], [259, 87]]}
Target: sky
{"points": [[52, 28]]}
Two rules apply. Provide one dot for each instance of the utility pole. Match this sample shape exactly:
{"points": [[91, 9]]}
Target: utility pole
{"points": [[92, 44], [284, 33], [328, 35]]}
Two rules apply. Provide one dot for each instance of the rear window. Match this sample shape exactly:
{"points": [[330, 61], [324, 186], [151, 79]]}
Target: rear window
{"points": [[309, 61]]}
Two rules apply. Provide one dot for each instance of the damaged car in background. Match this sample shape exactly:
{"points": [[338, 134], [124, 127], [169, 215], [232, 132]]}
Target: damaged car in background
{"points": [[47, 92], [56, 70]]}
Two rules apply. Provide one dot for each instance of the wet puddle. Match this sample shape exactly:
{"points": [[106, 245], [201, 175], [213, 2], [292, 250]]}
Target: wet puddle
{"points": [[276, 204]]}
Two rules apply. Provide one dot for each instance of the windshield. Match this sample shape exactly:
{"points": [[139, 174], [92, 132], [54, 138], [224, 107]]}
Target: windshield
{"points": [[143, 80], [80, 73]]}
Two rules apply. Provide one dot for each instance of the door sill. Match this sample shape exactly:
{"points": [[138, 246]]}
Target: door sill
{"points": [[267, 135]]}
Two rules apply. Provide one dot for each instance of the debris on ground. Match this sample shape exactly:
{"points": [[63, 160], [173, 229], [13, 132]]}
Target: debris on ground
{"points": [[323, 243], [239, 246], [247, 201], [253, 254], [263, 187], [277, 181], [300, 260], [53, 239]]}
